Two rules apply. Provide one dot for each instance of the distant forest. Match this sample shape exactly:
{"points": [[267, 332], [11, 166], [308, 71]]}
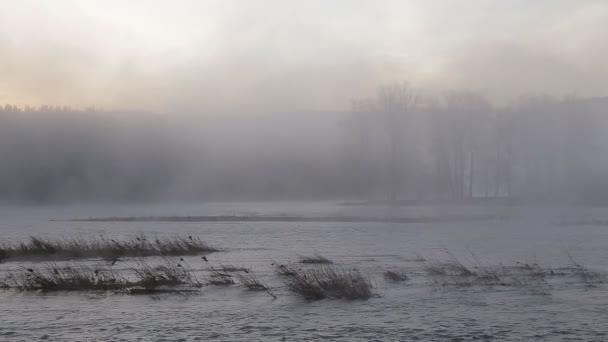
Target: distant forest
{"points": [[394, 146], [462, 147]]}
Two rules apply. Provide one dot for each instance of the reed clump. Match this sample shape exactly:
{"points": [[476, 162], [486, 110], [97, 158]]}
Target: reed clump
{"points": [[167, 276], [37, 247], [218, 277], [252, 283], [329, 281], [284, 270], [167, 273], [454, 273], [51, 278]]}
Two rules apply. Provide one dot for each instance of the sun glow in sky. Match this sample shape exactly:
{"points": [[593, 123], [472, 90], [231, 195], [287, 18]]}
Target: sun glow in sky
{"points": [[273, 55]]}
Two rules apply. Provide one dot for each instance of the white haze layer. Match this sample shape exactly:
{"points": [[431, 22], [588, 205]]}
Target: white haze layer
{"points": [[214, 56]]}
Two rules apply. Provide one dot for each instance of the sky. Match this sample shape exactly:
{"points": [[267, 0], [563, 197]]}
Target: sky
{"points": [[224, 56]]}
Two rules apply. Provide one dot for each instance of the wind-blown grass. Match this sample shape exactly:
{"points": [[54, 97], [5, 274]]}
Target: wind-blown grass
{"points": [[252, 283], [38, 248], [167, 275], [313, 282], [285, 270], [218, 277], [454, 273], [72, 278], [328, 281], [453, 267]]}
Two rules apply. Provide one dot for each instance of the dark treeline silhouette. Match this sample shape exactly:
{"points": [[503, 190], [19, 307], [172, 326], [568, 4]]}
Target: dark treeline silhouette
{"points": [[396, 146]]}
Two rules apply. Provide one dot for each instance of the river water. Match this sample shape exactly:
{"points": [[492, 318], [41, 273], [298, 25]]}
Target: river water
{"points": [[413, 310]]}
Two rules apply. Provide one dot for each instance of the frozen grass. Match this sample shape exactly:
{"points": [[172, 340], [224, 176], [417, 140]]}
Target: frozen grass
{"points": [[328, 281], [315, 259], [38, 248], [395, 276]]}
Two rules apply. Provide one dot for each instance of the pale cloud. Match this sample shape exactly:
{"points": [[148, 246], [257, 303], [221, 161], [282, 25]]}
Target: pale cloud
{"points": [[271, 55]]}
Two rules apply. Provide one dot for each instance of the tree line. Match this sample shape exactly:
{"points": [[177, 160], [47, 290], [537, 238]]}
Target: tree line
{"points": [[462, 147], [396, 146]]}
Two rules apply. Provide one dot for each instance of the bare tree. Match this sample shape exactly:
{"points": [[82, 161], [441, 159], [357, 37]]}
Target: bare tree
{"points": [[396, 101]]}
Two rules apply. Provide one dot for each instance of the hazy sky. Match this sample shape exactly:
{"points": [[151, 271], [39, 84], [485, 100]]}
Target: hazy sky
{"points": [[281, 55]]}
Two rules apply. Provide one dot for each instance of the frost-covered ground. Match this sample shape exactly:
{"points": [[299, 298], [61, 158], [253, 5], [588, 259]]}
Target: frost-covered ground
{"points": [[420, 308]]}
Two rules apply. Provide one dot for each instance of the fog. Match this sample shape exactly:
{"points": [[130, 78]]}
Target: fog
{"points": [[397, 146], [353, 100]]}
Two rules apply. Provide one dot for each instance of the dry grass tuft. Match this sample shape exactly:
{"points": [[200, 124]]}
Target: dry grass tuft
{"points": [[453, 273], [73, 248], [168, 273], [329, 282], [51, 277], [48, 278], [453, 267], [218, 277], [252, 283], [285, 270]]}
